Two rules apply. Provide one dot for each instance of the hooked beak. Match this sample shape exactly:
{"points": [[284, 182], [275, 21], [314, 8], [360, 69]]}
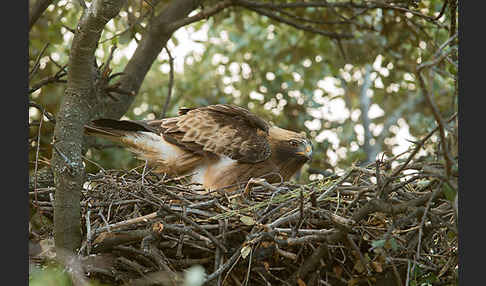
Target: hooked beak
{"points": [[306, 150]]}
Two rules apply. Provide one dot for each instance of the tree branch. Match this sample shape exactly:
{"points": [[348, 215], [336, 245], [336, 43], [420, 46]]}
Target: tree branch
{"points": [[158, 32], [365, 119], [171, 83], [37, 10], [320, 4], [433, 106], [414, 152], [296, 25], [37, 61], [51, 79], [440, 123], [206, 13]]}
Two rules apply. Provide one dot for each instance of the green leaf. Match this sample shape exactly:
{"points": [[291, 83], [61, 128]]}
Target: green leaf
{"points": [[50, 276], [449, 192], [247, 220], [378, 243], [423, 183], [245, 251], [393, 244], [383, 243]]}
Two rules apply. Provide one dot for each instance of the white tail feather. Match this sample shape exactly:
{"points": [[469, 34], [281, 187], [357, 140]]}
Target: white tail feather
{"points": [[152, 147]]}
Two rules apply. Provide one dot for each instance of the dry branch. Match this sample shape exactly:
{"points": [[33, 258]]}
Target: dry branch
{"points": [[154, 225]]}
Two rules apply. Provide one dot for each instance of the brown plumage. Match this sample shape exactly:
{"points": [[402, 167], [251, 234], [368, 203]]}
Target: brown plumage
{"points": [[221, 145]]}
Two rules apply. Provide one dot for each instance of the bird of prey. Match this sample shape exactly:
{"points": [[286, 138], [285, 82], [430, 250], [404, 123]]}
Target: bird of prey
{"points": [[222, 145]]}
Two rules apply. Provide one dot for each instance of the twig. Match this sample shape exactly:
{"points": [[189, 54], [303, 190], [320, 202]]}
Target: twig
{"points": [[442, 10], [131, 265], [41, 191], [322, 22], [103, 218], [353, 245], [218, 258], [171, 83], [93, 162], [225, 266], [331, 189], [305, 231], [143, 172], [289, 217], [73, 31], [440, 122], [181, 238], [149, 247], [106, 69], [266, 214], [278, 18], [52, 79], [414, 152], [195, 225], [37, 61], [321, 252], [301, 214], [422, 223], [321, 4], [247, 278], [37, 158], [113, 226], [36, 164], [435, 61], [201, 15], [49, 116], [88, 232], [408, 274]]}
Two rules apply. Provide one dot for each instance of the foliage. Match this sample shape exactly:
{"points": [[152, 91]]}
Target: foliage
{"points": [[49, 276], [345, 72], [296, 79]]}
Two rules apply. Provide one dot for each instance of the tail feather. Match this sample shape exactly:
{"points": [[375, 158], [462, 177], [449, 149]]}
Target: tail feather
{"points": [[114, 129], [97, 131], [143, 140]]}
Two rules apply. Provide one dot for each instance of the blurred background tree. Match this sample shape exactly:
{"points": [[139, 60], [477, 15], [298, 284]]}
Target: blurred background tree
{"points": [[345, 72], [322, 73]]}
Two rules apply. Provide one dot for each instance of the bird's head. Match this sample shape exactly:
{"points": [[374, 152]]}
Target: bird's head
{"points": [[290, 144], [303, 148]]}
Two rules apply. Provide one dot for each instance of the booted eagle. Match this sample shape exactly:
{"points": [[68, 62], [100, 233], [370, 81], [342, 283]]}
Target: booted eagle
{"points": [[221, 145]]}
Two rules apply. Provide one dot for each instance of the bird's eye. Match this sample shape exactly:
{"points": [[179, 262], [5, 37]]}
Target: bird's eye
{"points": [[293, 143]]}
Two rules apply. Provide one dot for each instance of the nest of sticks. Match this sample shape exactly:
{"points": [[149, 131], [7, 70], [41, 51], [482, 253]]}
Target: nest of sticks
{"points": [[373, 225]]}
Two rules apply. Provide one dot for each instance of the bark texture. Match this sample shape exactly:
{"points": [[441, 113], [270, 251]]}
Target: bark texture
{"points": [[76, 107], [84, 100]]}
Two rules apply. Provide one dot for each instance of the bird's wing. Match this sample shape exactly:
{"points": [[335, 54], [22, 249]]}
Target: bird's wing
{"points": [[221, 129]]}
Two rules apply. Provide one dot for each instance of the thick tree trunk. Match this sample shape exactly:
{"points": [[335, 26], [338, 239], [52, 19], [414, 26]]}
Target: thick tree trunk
{"points": [[76, 107], [83, 101]]}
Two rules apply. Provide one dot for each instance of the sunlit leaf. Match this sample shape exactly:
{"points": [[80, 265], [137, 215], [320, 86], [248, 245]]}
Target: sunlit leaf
{"points": [[247, 220], [245, 251]]}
